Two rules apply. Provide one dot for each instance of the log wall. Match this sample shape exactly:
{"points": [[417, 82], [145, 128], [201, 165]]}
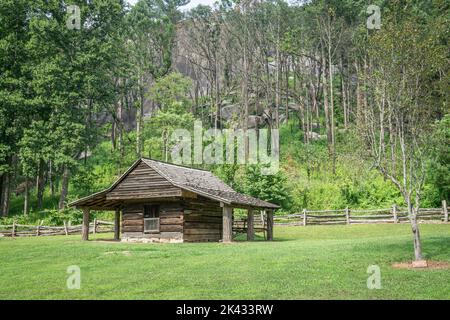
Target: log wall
{"points": [[202, 220], [142, 183], [188, 220], [171, 223]]}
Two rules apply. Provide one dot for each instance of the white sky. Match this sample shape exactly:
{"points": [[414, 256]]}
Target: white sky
{"points": [[191, 4]]}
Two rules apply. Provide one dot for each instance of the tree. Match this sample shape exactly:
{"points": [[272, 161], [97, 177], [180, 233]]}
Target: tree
{"points": [[406, 56], [150, 42], [170, 94]]}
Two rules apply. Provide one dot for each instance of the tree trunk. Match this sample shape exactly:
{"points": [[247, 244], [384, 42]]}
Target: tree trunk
{"points": [[139, 123], [51, 178], [6, 192], [40, 184], [64, 187], [412, 212], [344, 96], [331, 113], [26, 202], [327, 114]]}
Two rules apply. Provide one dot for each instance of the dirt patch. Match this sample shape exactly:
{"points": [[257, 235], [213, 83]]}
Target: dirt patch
{"points": [[432, 265], [125, 253]]}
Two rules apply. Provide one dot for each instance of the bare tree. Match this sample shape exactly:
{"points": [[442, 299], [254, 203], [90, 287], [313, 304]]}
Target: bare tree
{"points": [[398, 119]]}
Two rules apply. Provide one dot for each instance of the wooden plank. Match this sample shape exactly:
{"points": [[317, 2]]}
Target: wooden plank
{"points": [[129, 223], [133, 228], [164, 220], [171, 228]]}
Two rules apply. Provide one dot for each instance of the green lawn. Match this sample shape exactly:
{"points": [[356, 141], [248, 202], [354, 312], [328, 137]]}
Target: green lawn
{"points": [[317, 262]]}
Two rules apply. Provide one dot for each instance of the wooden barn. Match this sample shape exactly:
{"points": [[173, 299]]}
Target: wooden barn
{"points": [[156, 201]]}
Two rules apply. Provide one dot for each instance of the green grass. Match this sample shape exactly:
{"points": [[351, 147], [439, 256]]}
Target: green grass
{"points": [[316, 262]]}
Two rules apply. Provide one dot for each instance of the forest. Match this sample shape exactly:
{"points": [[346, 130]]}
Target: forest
{"points": [[358, 89]]}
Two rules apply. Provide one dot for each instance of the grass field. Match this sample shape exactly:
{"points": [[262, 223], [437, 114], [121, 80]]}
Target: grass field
{"points": [[303, 263]]}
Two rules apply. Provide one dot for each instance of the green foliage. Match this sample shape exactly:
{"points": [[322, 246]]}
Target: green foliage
{"points": [[439, 164], [266, 187]]}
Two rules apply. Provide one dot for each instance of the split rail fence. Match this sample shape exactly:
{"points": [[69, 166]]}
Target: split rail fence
{"points": [[307, 217], [347, 216], [20, 230]]}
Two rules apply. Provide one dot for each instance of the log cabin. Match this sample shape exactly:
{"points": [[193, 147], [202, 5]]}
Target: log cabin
{"points": [[156, 201]]}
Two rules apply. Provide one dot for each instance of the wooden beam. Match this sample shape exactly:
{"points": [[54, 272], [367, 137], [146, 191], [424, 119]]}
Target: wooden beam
{"points": [[269, 218], [117, 224], [227, 234], [85, 228], [250, 229]]}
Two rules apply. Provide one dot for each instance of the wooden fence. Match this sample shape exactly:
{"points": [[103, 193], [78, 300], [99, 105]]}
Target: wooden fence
{"points": [[347, 216], [20, 230]]}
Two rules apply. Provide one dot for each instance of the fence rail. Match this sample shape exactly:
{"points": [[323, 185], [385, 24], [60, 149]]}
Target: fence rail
{"points": [[22, 230], [307, 217], [347, 216]]}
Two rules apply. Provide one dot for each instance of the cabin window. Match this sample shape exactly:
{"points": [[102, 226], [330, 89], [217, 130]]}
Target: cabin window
{"points": [[151, 218]]}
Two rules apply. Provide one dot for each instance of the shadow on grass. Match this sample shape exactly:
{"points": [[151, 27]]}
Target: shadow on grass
{"points": [[433, 248], [242, 237]]}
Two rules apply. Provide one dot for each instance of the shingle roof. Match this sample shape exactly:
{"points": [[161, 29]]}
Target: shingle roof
{"points": [[201, 182]]}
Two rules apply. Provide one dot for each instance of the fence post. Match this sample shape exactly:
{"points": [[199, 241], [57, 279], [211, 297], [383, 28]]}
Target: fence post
{"points": [[13, 233], [394, 213], [304, 217], [38, 229], [445, 210], [95, 226], [347, 215], [66, 231]]}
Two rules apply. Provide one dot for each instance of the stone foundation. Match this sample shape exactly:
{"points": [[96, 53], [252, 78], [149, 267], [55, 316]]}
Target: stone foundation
{"points": [[163, 237]]}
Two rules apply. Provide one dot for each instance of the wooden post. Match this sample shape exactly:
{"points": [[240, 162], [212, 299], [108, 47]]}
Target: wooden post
{"points": [[250, 228], [13, 232], [347, 215], [227, 219], [85, 228], [263, 222], [445, 210], [269, 217], [94, 231], [117, 224], [38, 228], [394, 213], [304, 217], [66, 231]]}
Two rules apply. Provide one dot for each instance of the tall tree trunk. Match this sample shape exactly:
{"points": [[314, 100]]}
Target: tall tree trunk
{"points": [[277, 86], [26, 202], [327, 111], [139, 123], [6, 194], [40, 184], [344, 95], [51, 177], [245, 100], [113, 133], [331, 113], [120, 126], [286, 74], [64, 187]]}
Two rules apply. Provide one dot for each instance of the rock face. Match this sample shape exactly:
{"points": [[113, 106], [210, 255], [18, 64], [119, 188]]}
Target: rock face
{"points": [[314, 136], [227, 112]]}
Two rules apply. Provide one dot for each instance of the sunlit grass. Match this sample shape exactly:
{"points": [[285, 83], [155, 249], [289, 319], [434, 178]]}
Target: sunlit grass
{"points": [[316, 262]]}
